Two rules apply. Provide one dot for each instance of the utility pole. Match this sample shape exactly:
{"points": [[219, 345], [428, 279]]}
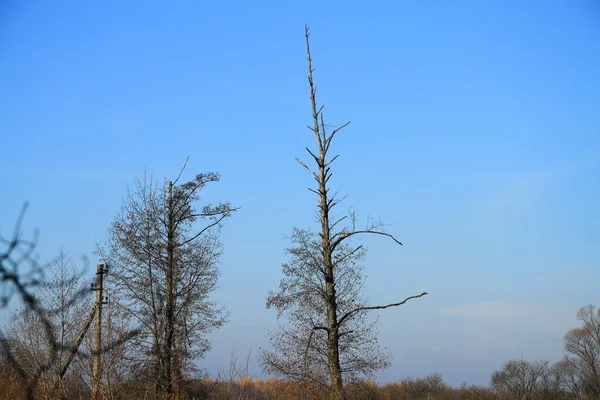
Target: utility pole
{"points": [[97, 353]]}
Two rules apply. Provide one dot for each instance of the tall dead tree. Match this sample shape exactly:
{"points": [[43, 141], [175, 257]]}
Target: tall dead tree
{"points": [[332, 240], [163, 254]]}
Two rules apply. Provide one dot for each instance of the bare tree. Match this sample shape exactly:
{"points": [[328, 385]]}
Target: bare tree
{"points": [[523, 380], [568, 377], [424, 388], [330, 253], [300, 349], [37, 345], [581, 368], [25, 279], [234, 383], [65, 310], [163, 254]]}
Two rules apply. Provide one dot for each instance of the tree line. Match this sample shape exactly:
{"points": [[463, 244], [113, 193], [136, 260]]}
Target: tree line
{"points": [[161, 257]]}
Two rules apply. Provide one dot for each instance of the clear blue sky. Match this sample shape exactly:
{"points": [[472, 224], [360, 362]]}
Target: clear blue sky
{"points": [[475, 135]]}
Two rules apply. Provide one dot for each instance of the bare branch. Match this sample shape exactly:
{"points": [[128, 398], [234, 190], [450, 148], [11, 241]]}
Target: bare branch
{"points": [[341, 236], [313, 155], [316, 113], [320, 110], [348, 254], [307, 167], [338, 221], [336, 130], [310, 335], [181, 171], [358, 309], [332, 160]]}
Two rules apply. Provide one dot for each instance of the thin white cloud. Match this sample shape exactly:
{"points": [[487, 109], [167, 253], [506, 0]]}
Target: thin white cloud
{"points": [[516, 329], [508, 203], [500, 312]]}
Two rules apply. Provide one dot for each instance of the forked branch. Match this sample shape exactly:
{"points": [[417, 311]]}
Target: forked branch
{"points": [[310, 335], [343, 235]]}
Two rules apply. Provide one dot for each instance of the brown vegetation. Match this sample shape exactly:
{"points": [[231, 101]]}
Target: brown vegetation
{"points": [[430, 388]]}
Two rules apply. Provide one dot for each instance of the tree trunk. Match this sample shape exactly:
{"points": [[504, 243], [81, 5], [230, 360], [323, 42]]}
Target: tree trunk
{"points": [[170, 300], [177, 376], [158, 366], [333, 351]]}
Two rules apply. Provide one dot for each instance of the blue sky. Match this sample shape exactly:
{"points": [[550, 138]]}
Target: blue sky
{"points": [[475, 135]]}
